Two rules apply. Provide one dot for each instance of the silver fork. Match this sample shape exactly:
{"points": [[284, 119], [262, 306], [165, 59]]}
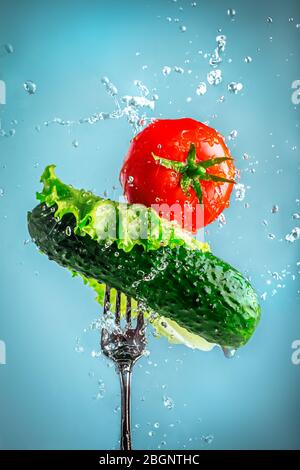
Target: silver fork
{"points": [[124, 347]]}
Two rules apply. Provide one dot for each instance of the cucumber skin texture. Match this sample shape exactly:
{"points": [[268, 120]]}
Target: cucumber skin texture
{"points": [[199, 291]]}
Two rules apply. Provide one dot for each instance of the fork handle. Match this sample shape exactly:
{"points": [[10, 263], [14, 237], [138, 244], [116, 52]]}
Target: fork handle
{"points": [[124, 370]]}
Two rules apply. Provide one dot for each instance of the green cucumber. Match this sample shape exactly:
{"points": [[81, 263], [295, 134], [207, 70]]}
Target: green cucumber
{"points": [[170, 272]]}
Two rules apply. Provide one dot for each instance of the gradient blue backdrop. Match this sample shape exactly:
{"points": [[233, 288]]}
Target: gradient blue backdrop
{"points": [[65, 47]]}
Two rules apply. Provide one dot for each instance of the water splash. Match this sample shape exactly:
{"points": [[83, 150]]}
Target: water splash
{"points": [[133, 108], [216, 57]]}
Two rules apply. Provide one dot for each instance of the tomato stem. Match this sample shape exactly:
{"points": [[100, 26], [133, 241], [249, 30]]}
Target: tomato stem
{"points": [[192, 171]]}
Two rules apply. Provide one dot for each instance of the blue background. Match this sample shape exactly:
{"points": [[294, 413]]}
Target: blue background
{"points": [[65, 47]]}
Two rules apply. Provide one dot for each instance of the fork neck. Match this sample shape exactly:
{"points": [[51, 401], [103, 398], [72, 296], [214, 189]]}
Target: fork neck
{"points": [[124, 369]]}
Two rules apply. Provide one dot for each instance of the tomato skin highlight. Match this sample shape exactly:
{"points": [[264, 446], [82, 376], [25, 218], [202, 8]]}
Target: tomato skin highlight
{"points": [[146, 181]]}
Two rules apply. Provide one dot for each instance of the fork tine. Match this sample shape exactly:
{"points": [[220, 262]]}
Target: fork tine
{"points": [[118, 305], [128, 311], [106, 300], [140, 318]]}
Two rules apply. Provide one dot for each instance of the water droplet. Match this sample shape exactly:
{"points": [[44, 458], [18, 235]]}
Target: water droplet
{"points": [[221, 42], [168, 402], [248, 59], [183, 28], [78, 348], [151, 433], [68, 231], [222, 220], [9, 48], [1, 192], [75, 143], [156, 425], [110, 88], [271, 236], [130, 179], [208, 439], [296, 215], [233, 134], [229, 353], [30, 87], [231, 13], [235, 87], [214, 77], [269, 19], [240, 191], [293, 235], [201, 89], [95, 353], [179, 70], [275, 209]]}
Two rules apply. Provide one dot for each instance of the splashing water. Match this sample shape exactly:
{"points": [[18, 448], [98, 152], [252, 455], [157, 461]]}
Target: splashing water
{"points": [[133, 108], [216, 57]]}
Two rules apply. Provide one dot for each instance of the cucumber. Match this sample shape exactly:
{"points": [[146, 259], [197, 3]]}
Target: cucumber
{"points": [[178, 279]]}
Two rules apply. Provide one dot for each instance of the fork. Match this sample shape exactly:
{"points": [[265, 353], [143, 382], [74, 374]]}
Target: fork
{"points": [[124, 347]]}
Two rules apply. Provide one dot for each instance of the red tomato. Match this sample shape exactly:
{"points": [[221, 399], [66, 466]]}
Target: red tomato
{"points": [[182, 168]]}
